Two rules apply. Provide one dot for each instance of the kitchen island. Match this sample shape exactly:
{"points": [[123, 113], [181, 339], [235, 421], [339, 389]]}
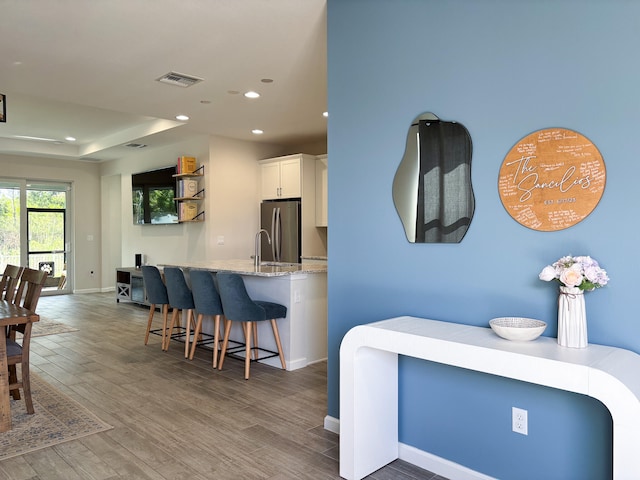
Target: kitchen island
{"points": [[301, 287]]}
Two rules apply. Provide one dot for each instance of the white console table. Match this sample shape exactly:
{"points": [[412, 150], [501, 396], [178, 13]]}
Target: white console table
{"points": [[369, 382]]}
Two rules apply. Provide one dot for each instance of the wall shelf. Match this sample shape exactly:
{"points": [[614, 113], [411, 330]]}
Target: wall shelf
{"points": [[195, 220], [181, 199], [198, 172], [189, 210]]}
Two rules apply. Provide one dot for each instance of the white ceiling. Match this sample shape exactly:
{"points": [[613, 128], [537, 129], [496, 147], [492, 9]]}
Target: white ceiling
{"points": [[87, 69]]}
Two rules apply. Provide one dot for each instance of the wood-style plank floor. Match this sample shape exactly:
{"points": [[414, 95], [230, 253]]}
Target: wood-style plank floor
{"points": [[175, 418]]}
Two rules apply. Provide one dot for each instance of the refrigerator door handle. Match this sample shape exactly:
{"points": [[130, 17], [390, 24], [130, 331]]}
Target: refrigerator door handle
{"points": [[273, 233], [278, 234]]}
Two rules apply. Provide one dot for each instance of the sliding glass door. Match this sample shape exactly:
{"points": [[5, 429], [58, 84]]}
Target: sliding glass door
{"points": [[10, 231], [34, 230]]}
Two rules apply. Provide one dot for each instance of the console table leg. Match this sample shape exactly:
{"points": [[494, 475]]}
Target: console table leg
{"points": [[368, 411]]}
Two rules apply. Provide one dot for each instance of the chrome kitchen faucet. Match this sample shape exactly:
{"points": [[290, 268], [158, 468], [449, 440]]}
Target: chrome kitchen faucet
{"points": [[256, 256]]}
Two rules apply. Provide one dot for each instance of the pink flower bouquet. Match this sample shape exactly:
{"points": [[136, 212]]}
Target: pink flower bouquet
{"points": [[582, 272]]}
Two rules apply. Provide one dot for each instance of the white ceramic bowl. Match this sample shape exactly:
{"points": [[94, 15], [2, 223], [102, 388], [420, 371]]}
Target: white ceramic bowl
{"points": [[517, 328]]}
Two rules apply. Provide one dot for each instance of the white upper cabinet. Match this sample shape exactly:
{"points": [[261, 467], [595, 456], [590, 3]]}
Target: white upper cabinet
{"points": [[270, 180], [282, 177], [321, 191], [290, 179]]}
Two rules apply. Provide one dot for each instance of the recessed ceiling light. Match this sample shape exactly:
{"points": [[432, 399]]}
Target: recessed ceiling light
{"points": [[233, 92], [257, 131], [325, 114], [182, 118], [70, 139], [205, 102], [251, 94], [267, 80]]}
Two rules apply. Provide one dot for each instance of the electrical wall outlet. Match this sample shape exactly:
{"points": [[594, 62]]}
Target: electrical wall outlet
{"points": [[519, 421]]}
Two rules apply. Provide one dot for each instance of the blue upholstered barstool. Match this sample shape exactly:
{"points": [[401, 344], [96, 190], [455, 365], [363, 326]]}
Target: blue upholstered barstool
{"points": [[207, 302], [156, 293], [239, 307], [180, 299]]}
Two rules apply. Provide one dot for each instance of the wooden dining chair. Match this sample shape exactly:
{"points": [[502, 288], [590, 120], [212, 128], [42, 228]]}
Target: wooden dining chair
{"points": [[9, 282], [63, 278], [27, 296], [29, 289]]}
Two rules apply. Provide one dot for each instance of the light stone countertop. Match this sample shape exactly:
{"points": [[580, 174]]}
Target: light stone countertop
{"points": [[246, 267]]}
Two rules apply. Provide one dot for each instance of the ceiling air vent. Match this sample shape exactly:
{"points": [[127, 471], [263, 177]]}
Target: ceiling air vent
{"points": [[135, 145], [179, 79]]}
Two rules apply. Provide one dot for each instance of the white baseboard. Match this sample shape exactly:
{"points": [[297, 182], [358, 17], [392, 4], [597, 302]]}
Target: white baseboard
{"points": [[422, 459], [438, 465], [332, 424], [275, 362], [295, 364], [292, 364], [311, 362], [88, 290]]}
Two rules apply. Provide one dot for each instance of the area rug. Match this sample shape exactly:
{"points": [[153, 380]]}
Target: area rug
{"points": [[57, 419], [48, 327]]}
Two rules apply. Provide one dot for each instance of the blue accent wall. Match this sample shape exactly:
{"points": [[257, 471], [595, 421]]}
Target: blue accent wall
{"points": [[503, 69]]}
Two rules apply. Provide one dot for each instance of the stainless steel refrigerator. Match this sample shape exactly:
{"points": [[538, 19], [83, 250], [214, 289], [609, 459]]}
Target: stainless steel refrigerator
{"points": [[281, 218]]}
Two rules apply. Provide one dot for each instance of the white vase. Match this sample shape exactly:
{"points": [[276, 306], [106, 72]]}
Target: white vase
{"points": [[572, 318]]}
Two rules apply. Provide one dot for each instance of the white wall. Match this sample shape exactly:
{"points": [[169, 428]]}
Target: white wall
{"points": [[158, 243], [84, 208], [233, 196], [111, 228], [231, 205], [311, 148]]}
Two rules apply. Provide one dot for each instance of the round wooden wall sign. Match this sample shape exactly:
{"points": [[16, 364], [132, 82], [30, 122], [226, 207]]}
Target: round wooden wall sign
{"points": [[552, 179]]}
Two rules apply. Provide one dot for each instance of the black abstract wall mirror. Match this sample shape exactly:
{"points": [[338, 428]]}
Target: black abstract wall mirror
{"points": [[432, 189]]}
